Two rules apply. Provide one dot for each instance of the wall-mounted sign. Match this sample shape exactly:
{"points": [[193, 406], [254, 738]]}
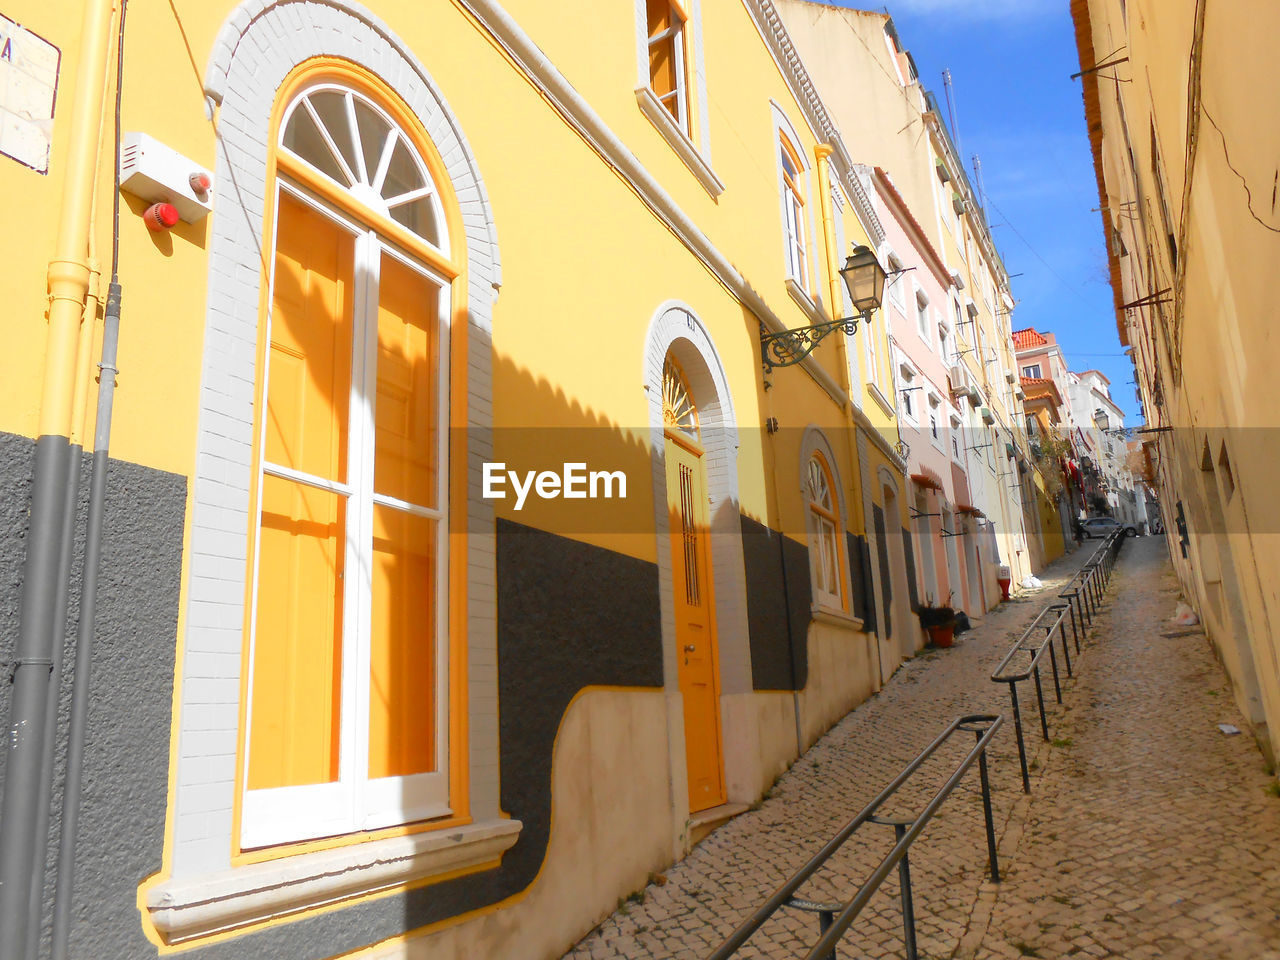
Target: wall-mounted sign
{"points": [[28, 89]]}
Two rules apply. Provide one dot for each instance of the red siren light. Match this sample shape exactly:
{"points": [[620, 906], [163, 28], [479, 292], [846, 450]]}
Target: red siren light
{"points": [[160, 216]]}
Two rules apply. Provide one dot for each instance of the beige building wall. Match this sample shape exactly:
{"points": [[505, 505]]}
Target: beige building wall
{"points": [[1185, 146]]}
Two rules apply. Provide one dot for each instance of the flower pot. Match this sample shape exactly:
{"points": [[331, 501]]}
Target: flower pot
{"points": [[942, 635]]}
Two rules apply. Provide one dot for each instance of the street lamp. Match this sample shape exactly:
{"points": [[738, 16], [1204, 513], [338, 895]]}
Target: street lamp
{"points": [[864, 278]]}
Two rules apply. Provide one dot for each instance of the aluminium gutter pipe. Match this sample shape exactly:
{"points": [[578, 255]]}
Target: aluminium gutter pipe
{"points": [[68, 283]]}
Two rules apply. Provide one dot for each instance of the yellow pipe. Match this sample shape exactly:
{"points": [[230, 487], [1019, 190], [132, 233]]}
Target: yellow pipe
{"points": [[69, 271]]}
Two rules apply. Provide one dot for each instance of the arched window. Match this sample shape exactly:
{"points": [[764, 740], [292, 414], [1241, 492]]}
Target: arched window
{"points": [[347, 709], [825, 549], [793, 211]]}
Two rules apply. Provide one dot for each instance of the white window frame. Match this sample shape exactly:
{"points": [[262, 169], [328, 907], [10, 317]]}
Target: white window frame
{"points": [[354, 802], [1026, 371], [906, 377], [679, 35], [923, 316], [897, 283], [934, 402], [795, 235]]}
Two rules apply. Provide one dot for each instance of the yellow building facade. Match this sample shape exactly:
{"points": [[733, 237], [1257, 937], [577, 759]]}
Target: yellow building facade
{"points": [[464, 560], [1184, 165]]}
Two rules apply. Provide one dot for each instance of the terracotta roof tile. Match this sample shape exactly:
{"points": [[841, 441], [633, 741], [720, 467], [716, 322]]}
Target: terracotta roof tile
{"points": [[1029, 337]]}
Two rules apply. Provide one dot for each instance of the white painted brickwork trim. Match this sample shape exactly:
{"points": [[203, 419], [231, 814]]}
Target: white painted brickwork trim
{"points": [[257, 47]]}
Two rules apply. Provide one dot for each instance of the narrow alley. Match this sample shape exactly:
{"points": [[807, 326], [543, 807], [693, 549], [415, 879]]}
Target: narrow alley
{"points": [[1088, 869]]}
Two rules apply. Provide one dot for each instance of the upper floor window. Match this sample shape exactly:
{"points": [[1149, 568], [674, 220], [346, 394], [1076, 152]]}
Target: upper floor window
{"points": [[793, 211], [922, 316], [668, 64], [347, 726], [895, 282], [1032, 370], [827, 555]]}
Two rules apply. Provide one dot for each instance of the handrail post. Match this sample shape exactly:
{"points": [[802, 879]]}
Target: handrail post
{"points": [[904, 882], [1017, 728], [1053, 662], [825, 918], [986, 812], [1044, 723], [1066, 651]]}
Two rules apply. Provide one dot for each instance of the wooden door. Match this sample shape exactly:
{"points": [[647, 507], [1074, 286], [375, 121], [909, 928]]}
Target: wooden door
{"points": [[699, 669]]}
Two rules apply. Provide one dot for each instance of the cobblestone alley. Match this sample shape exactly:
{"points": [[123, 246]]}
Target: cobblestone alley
{"points": [[1146, 833]]}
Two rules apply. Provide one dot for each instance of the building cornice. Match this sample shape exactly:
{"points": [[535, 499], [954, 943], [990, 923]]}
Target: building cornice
{"points": [[770, 26]]}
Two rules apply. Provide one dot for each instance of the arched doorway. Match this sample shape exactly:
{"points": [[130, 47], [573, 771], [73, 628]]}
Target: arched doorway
{"points": [[693, 602]]}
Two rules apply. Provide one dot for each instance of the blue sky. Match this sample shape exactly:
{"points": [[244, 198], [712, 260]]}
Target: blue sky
{"points": [[1017, 109]]}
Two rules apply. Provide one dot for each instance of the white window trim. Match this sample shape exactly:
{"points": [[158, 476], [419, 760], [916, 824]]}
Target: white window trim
{"points": [[783, 130], [956, 426], [197, 907], [898, 283], [355, 802], [679, 140], [694, 102], [812, 311], [917, 310], [1026, 371], [823, 604], [881, 400]]}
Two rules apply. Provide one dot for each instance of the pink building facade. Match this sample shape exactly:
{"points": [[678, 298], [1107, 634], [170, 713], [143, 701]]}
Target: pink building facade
{"points": [[923, 307]]}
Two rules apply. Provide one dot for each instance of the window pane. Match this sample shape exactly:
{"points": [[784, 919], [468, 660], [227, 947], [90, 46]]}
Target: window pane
{"points": [[297, 652], [373, 135], [403, 174], [309, 364], [302, 136], [408, 363], [331, 107], [420, 217], [402, 681]]}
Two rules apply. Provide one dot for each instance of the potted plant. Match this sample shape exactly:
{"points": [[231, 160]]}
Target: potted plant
{"points": [[939, 620]]}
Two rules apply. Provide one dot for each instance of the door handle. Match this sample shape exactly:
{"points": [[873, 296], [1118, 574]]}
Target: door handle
{"points": [[689, 648]]}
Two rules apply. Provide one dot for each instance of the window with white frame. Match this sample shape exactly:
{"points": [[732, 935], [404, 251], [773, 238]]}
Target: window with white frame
{"points": [[922, 315], [668, 62], [935, 420], [1032, 370], [347, 727], [793, 211], [896, 282], [827, 553], [957, 439], [945, 348], [907, 389]]}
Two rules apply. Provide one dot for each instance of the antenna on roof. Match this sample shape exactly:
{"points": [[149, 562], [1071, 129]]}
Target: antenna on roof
{"points": [[951, 107], [977, 176]]}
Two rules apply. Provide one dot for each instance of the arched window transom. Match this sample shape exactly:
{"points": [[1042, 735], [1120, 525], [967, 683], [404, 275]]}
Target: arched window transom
{"points": [[355, 143]]}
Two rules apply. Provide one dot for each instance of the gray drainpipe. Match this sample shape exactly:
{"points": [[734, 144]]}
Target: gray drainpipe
{"points": [[84, 630], [40, 856]]}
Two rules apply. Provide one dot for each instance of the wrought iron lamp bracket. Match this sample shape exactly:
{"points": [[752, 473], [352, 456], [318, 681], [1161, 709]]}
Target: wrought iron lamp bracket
{"points": [[788, 347]]}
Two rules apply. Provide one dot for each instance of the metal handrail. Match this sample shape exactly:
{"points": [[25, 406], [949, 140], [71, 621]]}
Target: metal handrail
{"points": [[999, 675], [832, 925], [1083, 597]]}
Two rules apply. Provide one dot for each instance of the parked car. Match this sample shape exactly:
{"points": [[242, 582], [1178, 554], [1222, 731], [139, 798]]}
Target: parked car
{"points": [[1101, 526]]}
